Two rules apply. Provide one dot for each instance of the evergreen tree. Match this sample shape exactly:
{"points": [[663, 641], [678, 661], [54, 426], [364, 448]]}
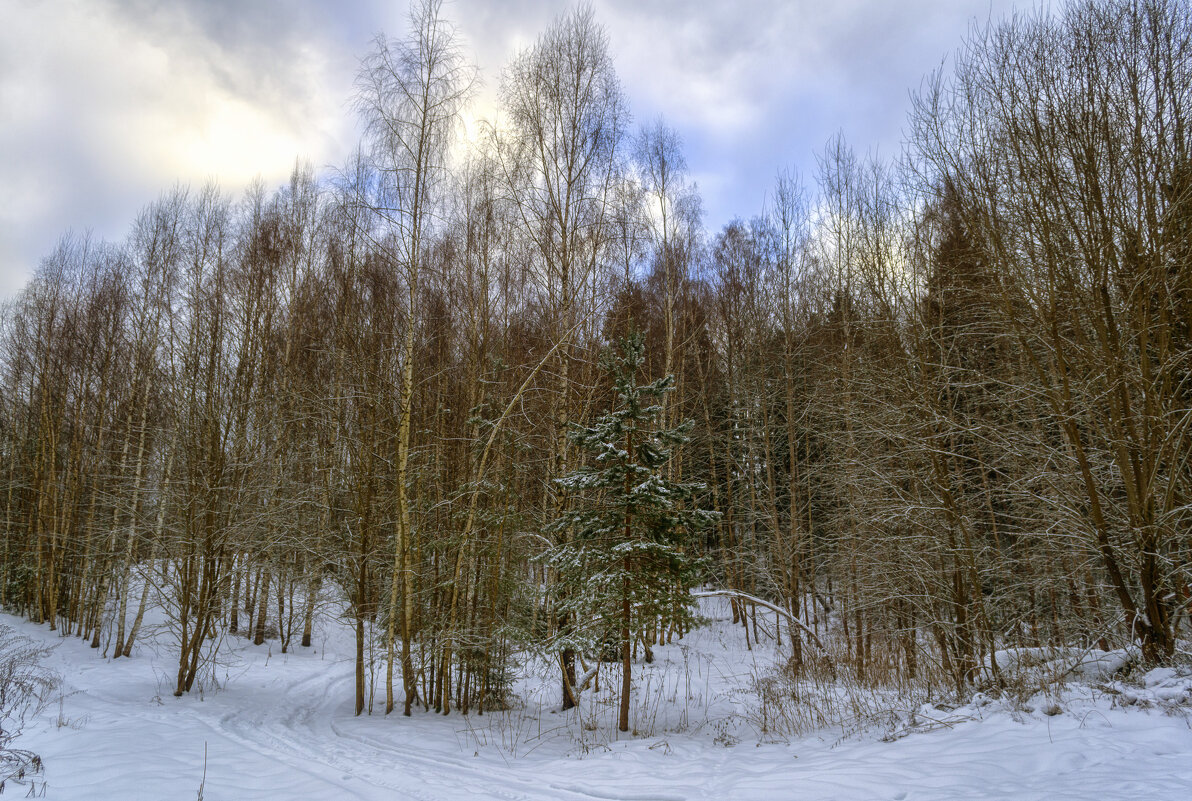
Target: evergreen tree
{"points": [[625, 563]]}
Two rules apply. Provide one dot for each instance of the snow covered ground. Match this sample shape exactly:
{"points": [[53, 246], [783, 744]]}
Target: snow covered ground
{"points": [[281, 727]]}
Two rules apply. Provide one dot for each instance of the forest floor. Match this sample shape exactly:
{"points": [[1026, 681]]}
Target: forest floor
{"points": [[280, 726]]}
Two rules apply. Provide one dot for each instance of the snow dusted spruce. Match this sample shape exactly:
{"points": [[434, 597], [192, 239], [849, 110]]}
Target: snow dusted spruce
{"points": [[623, 559]]}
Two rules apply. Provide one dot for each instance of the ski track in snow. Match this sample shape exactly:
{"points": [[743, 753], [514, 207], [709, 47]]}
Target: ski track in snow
{"points": [[282, 728]]}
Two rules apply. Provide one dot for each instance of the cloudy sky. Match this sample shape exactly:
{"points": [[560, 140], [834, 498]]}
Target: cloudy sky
{"points": [[106, 103]]}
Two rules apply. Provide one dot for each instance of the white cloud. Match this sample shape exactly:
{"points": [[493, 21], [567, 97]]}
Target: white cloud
{"points": [[107, 105], [104, 104], [760, 85]]}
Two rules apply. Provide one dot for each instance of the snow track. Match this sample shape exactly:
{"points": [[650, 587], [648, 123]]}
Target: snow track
{"points": [[305, 732], [310, 730]]}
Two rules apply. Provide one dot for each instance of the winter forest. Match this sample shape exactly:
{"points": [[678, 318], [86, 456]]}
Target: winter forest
{"points": [[921, 426]]}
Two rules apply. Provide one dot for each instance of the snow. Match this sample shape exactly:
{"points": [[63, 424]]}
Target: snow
{"points": [[1038, 665], [281, 727]]}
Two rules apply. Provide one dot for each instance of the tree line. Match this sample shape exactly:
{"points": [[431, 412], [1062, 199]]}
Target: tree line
{"points": [[931, 407]]}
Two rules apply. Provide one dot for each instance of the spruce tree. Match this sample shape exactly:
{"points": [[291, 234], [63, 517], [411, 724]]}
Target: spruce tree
{"points": [[625, 559]]}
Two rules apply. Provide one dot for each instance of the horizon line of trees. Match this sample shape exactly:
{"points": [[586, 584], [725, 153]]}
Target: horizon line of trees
{"points": [[942, 404]]}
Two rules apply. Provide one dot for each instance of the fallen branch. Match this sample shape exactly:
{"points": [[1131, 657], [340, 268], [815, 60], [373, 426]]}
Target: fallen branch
{"points": [[773, 607]]}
